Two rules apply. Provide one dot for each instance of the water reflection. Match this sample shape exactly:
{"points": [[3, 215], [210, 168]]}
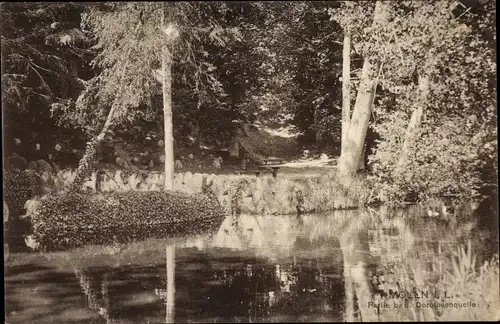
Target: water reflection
{"points": [[230, 288], [266, 268]]}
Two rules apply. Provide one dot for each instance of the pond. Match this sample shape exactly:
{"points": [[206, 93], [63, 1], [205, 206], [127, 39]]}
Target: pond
{"points": [[312, 268]]}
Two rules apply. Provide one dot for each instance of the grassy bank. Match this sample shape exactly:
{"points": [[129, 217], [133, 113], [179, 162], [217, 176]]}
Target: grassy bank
{"points": [[459, 291], [446, 275]]}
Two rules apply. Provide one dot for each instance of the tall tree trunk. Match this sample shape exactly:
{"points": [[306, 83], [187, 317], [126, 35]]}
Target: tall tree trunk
{"points": [[166, 63], [358, 125], [415, 121], [346, 96]]}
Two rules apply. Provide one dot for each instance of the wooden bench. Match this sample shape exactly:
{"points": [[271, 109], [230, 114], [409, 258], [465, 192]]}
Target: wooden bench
{"points": [[272, 161], [260, 170]]}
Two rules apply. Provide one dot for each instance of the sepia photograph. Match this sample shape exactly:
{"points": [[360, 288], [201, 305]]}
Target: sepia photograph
{"points": [[250, 161]]}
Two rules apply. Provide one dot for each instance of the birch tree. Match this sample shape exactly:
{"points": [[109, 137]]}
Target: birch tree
{"points": [[435, 63], [171, 33], [441, 72], [359, 121], [136, 43]]}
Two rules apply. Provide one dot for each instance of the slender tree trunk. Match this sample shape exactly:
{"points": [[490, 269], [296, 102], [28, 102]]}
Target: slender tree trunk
{"points": [[346, 96], [358, 125], [415, 122], [166, 63], [88, 160]]}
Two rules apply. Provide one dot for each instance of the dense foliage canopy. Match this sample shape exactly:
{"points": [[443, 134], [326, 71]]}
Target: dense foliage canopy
{"points": [[276, 64]]}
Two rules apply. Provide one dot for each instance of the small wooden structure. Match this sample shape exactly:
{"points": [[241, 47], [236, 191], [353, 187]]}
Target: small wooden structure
{"points": [[265, 165], [247, 150], [273, 161], [261, 170]]}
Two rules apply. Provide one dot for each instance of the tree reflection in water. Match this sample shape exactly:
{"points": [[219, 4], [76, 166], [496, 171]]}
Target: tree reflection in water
{"points": [[236, 283]]}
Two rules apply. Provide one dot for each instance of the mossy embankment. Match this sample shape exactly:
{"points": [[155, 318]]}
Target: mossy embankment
{"points": [[256, 195], [111, 202]]}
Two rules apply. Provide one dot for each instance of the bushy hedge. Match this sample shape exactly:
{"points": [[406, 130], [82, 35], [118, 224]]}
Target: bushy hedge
{"points": [[75, 219], [19, 186]]}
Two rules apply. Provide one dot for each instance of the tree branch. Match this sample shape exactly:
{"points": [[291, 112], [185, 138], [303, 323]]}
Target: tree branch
{"points": [[46, 86], [463, 13]]}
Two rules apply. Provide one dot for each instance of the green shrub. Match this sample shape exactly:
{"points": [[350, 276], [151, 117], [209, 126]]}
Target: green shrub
{"points": [[62, 221], [453, 157], [19, 186]]}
